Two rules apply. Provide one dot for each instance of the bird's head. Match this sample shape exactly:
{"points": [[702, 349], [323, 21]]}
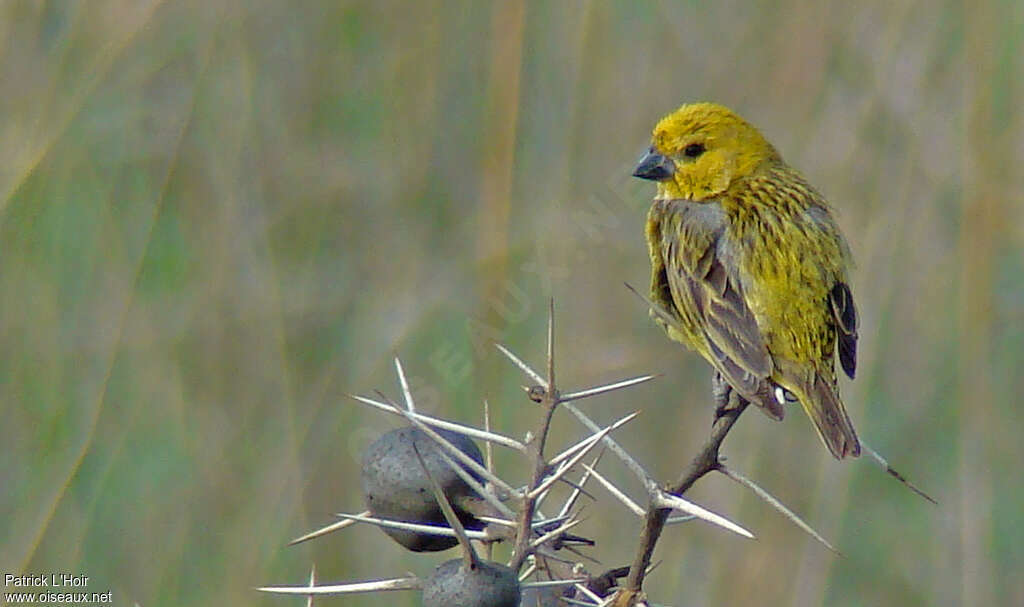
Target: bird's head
{"points": [[700, 150]]}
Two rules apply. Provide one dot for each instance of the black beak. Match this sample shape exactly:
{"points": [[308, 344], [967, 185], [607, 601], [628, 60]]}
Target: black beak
{"points": [[654, 166]]}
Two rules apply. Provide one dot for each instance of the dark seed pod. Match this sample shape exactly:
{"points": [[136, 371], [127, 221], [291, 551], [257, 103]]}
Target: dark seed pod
{"points": [[488, 584], [395, 487]]}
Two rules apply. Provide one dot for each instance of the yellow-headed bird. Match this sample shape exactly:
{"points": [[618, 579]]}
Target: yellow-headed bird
{"points": [[751, 268]]}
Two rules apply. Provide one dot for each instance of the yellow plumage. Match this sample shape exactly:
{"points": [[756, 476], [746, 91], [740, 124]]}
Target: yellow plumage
{"points": [[751, 267]]}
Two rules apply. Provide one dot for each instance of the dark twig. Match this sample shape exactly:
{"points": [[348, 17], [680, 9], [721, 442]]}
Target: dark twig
{"points": [[549, 400], [706, 461]]}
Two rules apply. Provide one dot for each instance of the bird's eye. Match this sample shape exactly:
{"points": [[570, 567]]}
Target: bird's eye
{"points": [[693, 150]]}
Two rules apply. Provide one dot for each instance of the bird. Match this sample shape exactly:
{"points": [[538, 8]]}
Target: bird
{"points": [[749, 269]]}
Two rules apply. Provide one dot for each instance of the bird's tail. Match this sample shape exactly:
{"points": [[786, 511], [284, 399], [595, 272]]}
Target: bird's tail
{"points": [[821, 402]]}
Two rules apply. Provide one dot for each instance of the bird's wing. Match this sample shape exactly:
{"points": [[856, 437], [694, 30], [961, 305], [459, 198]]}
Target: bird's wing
{"points": [[706, 290], [845, 314]]}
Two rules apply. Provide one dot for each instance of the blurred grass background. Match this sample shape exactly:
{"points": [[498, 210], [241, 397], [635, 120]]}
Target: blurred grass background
{"points": [[219, 218]]}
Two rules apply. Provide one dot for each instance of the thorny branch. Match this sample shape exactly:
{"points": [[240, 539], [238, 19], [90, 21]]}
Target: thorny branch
{"points": [[536, 539], [706, 461], [549, 400]]}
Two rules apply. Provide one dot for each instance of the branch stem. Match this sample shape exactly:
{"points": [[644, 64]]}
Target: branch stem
{"points": [[550, 401], [705, 462]]}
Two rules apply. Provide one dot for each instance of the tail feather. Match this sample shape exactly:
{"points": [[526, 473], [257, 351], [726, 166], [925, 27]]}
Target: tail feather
{"points": [[821, 402]]}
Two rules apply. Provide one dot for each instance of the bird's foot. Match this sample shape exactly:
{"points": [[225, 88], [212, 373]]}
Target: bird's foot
{"points": [[726, 399]]}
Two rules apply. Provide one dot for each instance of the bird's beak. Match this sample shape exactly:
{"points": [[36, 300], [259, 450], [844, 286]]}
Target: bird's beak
{"points": [[654, 166]]}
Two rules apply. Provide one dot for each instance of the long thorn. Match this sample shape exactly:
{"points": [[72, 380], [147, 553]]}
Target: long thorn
{"points": [[550, 583], [616, 492], [414, 527], [625, 383], [578, 490], [550, 535], [490, 437], [477, 488], [676, 520], [527, 572], [665, 500], [466, 460], [589, 594], [406, 392], [893, 473], [471, 559], [312, 582], [588, 441], [666, 316], [551, 344], [525, 368], [613, 446], [576, 458], [775, 503], [488, 450], [406, 583], [325, 530]]}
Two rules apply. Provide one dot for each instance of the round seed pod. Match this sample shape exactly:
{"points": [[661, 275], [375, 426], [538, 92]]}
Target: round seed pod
{"points": [[395, 487], [489, 584]]}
